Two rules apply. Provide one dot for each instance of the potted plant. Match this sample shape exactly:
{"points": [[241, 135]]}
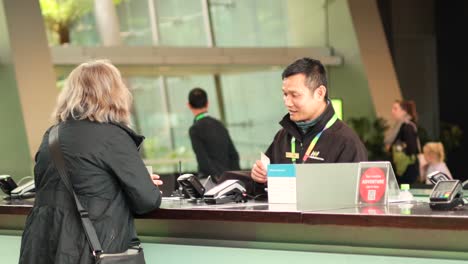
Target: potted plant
{"points": [[371, 133], [60, 15]]}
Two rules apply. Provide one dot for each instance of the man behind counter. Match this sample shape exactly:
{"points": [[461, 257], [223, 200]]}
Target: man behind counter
{"points": [[311, 131], [211, 142]]}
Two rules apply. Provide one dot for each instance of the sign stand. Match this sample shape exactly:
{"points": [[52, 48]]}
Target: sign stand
{"points": [[376, 183]]}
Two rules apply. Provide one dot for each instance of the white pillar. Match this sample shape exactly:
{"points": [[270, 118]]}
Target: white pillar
{"points": [[107, 22]]}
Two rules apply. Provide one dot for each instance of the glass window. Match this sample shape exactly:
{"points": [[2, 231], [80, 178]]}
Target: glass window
{"points": [[236, 23], [135, 23], [254, 106], [165, 123], [249, 23], [269, 23], [83, 33], [180, 23], [151, 119]]}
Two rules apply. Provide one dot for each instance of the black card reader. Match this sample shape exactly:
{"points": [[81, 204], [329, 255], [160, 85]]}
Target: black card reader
{"points": [[446, 195]]}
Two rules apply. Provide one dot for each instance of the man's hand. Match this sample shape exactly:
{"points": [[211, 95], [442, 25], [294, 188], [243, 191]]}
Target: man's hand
{"points": [[258, 173], [156, 179]]}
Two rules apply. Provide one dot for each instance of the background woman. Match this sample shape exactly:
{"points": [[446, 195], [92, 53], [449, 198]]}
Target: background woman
{"points": [[403, 142], [105, 169]]}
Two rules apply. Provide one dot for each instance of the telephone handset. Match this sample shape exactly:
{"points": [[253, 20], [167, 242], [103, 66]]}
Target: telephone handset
{"points": [[23, 191], [7, 184], [446, 195], [191, 186]]}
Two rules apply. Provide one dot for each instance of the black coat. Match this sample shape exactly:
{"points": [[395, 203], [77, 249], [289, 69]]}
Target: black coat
{"points": [[110, 180], [408, 139], [213, 147], [338, 143]]}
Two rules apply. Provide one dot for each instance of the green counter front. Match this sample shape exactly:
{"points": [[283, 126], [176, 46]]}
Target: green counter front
{"points": [[254, 232]]}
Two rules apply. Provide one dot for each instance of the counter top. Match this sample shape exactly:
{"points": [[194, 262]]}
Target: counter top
{"points": [[415, 215]]}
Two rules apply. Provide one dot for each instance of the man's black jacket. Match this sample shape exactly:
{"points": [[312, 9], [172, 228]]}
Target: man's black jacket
{"points": [[213, 147], [339, 143]]}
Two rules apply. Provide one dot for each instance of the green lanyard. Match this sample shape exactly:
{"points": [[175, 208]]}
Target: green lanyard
{"points": [[314, 141], [293, 148], [201, 116]]}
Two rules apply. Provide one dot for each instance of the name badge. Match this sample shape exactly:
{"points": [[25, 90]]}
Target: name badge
{"points": [[292, 155]]}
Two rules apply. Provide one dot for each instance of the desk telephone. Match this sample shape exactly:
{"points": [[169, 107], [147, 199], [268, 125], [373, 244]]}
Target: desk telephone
{"points": [[23, 191], [227, 191]]}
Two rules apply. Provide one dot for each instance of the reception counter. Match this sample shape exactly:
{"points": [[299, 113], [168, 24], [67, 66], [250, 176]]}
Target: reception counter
{"points": [[404, 231]]}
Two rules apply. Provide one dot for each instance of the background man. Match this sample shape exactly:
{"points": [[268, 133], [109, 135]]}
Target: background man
{"points": [[210, 139], [311, 132]]}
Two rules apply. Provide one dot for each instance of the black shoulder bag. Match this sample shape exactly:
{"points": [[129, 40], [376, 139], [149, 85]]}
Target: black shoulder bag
{"points": [[133, 255]]}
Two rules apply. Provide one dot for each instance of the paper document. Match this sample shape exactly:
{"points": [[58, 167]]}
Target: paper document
{"points": [[281, 183], [265, 160]]}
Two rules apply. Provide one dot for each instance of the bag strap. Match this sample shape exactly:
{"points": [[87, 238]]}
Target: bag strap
{"points": [[59, 161]]}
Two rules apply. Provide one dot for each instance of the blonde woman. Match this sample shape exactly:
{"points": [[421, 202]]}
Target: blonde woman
{"points": [[104, 166], [434, 155]]}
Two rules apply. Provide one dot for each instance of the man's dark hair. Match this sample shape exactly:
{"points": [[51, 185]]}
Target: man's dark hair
{"points": [[313, 70], [197, 98]]}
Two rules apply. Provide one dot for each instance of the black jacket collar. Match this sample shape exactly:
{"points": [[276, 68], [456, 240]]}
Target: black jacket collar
{"points": [[138, 139], [291, 127]]}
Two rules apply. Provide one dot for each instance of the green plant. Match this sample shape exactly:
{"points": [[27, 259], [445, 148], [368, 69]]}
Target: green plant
{"points": [[60, 15], [371, 133], [451, 136]]}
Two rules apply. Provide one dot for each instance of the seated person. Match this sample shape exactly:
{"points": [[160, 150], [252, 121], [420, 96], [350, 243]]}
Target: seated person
{"points": [[311, 131], [434, 156]]}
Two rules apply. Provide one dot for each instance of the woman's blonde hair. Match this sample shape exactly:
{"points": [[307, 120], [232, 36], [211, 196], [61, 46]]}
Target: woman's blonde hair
{"points": [[436, 148], [95, 91]]}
